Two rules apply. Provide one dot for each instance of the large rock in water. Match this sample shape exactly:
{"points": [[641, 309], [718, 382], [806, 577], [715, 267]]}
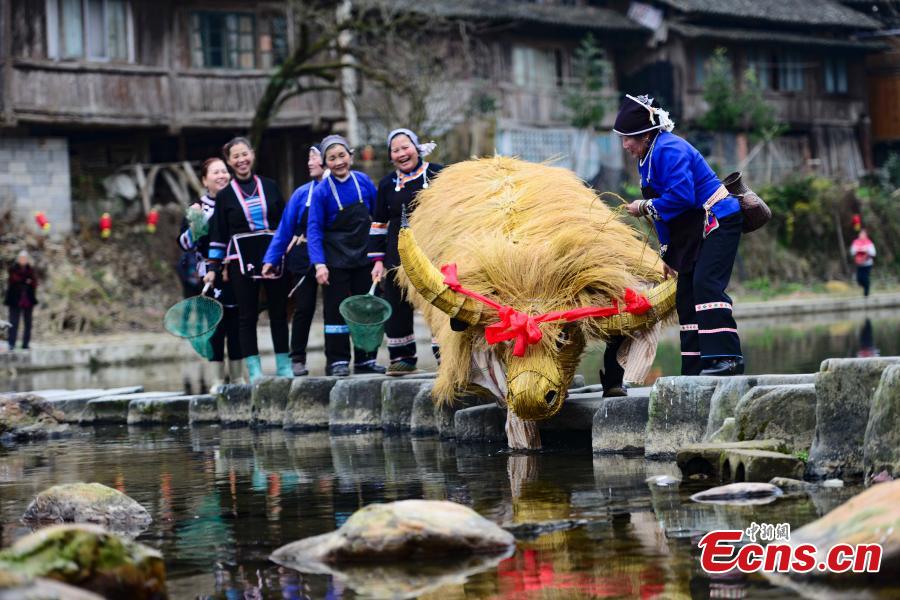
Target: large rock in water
{"points": [[88, 503], [26, 416], [882, 440], [784, 412], [739, 493], [399, 531], [871, 517], [89, 557], [845, 388]]}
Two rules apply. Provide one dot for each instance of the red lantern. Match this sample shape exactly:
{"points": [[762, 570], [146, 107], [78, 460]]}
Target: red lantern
{"points": [[368, 154], [105, 225], [857, 222], [41, 219], [152, 220]]}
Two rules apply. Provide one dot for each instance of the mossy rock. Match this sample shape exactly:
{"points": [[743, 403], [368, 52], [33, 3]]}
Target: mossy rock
{"points": [[26, 416], [89, 557], [88, 503]]}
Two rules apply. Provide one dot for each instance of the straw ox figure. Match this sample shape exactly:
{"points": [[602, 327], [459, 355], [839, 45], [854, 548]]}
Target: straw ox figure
{"points": [[517, 267]]}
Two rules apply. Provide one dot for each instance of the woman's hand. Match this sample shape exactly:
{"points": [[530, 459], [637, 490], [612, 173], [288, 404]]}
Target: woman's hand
{"points": [[209, 278], [634, 208], [322, 274], [268, 270], [378, 270], [669, 271]]}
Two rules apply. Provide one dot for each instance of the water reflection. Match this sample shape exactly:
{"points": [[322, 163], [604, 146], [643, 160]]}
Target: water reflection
{"points": [[223, 499]]}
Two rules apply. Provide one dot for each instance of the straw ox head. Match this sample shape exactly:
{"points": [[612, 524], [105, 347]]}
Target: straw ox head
{"points": [[495, 250]]}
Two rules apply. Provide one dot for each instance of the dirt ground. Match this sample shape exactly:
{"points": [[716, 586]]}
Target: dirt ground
{"points": [[88, 285]]}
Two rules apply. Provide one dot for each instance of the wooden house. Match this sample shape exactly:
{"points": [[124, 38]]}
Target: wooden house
{"points": [[804, 53], [108, 83]]}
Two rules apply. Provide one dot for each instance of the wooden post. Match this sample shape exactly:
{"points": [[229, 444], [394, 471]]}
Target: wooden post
{"points": [[8, 89]]}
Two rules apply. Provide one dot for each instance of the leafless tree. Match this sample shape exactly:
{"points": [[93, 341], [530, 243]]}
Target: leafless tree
{"points": [[404, 59]]}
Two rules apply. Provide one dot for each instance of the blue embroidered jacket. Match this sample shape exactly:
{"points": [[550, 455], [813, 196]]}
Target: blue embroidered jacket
{"points": [[324, 209], [293, 214], [683, 180]]}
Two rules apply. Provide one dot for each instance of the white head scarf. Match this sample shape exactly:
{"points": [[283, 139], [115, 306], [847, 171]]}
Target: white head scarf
{"points": [[424, 149]]}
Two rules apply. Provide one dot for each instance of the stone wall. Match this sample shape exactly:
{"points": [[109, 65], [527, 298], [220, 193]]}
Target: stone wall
{"points": [[34, 175]]}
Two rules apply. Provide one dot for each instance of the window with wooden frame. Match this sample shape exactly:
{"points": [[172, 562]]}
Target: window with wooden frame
{"points": [[96, 30], [223, 40], [237, 40], [537, 67], [836, 75]]}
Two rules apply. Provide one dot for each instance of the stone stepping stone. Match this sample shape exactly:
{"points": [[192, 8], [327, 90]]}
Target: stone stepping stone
{"points": [[784, 412], [397, 399], [72, 402], [307, 403], [268, 401], [422, 418], [845, 390], [114, 409], [486, 423], [161, 411], [619, 425], [203, 409], [233, 404], [709, 459], [355, 404]]}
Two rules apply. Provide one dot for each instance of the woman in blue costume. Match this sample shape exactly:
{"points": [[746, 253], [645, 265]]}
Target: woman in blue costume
{"points": [[699, 228], [289, 246], [338, 239]]}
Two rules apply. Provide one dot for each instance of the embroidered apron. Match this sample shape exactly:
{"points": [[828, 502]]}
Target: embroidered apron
{"points": [[250, 248], [346, 240]]}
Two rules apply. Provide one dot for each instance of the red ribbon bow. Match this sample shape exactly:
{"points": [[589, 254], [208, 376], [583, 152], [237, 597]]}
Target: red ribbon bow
{"points": [[523, 328]]}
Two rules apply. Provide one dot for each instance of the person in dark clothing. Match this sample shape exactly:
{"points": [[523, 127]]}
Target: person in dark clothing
{"points": [[21, 298], [246, 213], [338, 238], [397, 191], [194, 238], [290, 240], [699, 226]]}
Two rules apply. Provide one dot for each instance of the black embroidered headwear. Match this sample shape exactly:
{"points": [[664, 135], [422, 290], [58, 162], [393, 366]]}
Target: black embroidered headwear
{"points": [[638, 115]]}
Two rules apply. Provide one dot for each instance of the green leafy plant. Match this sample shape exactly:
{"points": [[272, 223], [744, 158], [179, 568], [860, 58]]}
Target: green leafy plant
{"points": [[586, 100], [733, 107]]}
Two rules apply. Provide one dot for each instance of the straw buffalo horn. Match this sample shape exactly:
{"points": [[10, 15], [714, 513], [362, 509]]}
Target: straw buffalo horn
{"points": [[429, 281]]}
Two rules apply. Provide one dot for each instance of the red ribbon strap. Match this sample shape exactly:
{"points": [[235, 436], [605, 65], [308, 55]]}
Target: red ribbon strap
{"points": [[523, 328]]}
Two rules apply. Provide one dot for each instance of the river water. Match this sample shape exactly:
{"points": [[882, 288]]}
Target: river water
{"points": [[223, 499]]}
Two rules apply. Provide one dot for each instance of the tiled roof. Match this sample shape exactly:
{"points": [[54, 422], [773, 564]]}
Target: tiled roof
{"points": [[778, 37], [798, 12], [580, 17]]}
